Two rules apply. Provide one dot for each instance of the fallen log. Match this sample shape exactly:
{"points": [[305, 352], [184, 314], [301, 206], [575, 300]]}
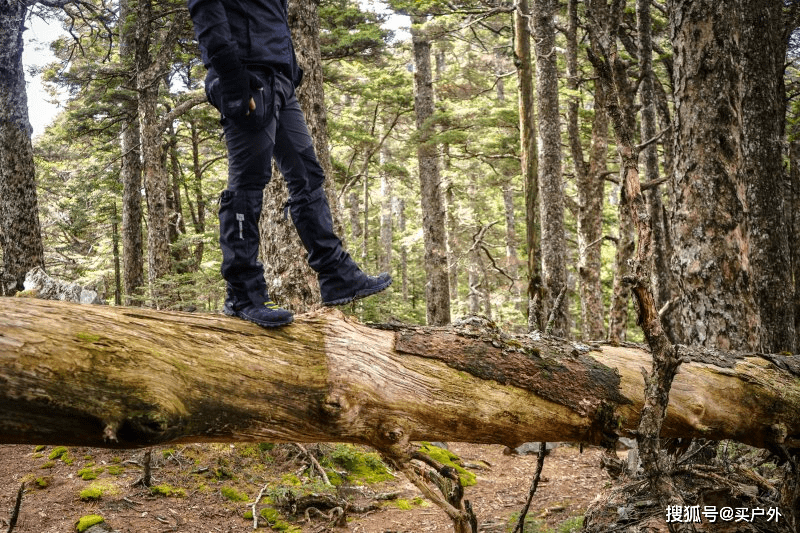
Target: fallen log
{"points": [[128, 377]]}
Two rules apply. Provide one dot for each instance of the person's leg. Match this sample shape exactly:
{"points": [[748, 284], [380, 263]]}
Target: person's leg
{"points": [[250, 149], [340, 279]]}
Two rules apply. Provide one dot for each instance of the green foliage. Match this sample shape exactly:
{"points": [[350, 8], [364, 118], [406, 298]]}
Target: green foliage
{"points": [[85, 522], [349, 32]]}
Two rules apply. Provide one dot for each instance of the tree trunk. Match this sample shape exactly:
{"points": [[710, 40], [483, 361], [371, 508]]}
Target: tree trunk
{"points": [[121, 377], [662, 280], [130, 170], [512, 260], [181, 253], [387, 223], [589, 182], [763, 54], [551, 185], [199, 212], [437, 286], [529, 160], [20, 233], [626, 245], [400, 207], [289, 278], [794, 211], [148, 81], [716, 303]]}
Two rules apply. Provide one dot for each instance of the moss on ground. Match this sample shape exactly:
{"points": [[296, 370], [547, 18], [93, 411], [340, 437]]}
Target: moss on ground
{"points": [[361, 466], [167, 490], [449, 459], [58, 452], [88, 473], [230, 493], [85, 522]]}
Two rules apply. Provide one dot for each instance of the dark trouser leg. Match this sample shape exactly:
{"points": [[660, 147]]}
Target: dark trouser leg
{"points": [[239, 213], [339, 277], [249, 170], [250, 146]]}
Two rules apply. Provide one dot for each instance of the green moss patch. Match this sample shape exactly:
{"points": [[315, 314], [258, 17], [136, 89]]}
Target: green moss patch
{"points": [[88, 473], [167, 490], [407, 505], [85, 522], [230, 493], [87, 337], [449, 459], [91, 494], [58, 452], [275, 521], [362, 467]]}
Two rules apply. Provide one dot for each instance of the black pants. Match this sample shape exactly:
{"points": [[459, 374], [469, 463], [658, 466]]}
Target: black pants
{"points": [[277, 128]]}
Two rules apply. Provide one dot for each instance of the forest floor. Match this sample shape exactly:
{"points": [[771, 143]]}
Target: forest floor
{"points": [[207, 488]]}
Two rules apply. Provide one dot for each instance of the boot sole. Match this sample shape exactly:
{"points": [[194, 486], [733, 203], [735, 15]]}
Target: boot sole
{"points": [[359, 295], [262, 323]]}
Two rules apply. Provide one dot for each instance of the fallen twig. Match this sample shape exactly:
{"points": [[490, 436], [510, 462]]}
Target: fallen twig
{"points": [[253, 505], [315, 464]]}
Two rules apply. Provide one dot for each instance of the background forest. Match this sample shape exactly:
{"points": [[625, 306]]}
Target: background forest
{"points": [[475, 158]]}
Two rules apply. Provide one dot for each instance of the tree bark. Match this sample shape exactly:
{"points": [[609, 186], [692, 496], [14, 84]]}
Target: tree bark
{"points": [[794, 218], [130, 170], [387, 222], [589, 183], [123, 377], [20, 232], [529, 160], [437, 285], [551, 184], [763, 54], [662, 281], [715, 298]]}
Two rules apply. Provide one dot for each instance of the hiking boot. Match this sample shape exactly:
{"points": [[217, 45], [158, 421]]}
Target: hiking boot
{"points": [[266, 315], [340, 279], [337, 290]]}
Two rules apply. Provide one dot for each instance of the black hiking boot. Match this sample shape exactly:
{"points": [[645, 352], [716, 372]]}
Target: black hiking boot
{"points": [[337, 290], [340, 279], [266, 315]]}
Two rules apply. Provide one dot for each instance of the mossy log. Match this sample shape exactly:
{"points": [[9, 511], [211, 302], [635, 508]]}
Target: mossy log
{"points": [[128, 377]]}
